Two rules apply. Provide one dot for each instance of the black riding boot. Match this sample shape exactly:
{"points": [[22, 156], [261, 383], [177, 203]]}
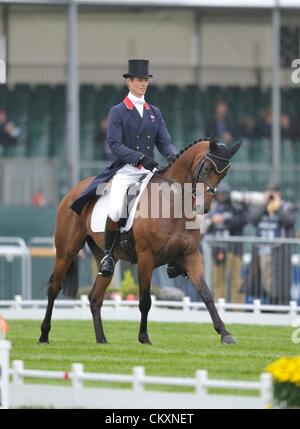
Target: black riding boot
{"points": [[106, 268]]}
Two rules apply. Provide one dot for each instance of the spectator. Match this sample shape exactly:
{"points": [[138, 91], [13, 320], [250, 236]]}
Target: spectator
{"points": [[270, 269], [101, 142], [9, 133], [264, 124], [38, 199], [295, 127], [285, 126], [247, 127], [225, 219], [218, 125]]}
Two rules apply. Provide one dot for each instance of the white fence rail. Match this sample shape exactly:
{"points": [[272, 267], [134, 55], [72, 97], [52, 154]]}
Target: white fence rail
{"points": [[17, 393], [161, 311]]}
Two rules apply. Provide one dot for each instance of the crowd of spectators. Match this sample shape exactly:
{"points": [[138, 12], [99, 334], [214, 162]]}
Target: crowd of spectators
{"points": [[250, 127], [269, 274]]}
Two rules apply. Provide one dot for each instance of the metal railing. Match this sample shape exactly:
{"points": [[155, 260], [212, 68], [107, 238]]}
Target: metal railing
{"points": [[12, 248], [287, 264], [26, 267]]}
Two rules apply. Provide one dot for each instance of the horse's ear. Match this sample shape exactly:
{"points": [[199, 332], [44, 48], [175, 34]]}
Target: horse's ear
{"points": [[213, 144], [234, 148]]}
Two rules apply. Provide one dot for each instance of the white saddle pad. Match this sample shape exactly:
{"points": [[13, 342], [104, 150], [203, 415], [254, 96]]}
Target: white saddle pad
{"points": [[100, 210]]}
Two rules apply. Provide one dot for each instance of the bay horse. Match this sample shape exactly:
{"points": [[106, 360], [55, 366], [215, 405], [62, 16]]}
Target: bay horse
{"points": [[158, 241]]}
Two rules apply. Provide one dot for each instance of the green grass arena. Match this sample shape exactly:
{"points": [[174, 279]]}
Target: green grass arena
{"points": [[178, 349]]}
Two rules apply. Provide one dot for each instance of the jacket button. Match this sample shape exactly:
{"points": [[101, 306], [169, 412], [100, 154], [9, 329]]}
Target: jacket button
{"points": [[148, 137], [137, 147], [148, 147], [137, 137]]}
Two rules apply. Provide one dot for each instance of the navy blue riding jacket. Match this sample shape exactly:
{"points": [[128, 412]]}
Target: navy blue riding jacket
{"points": [[129, 136]]}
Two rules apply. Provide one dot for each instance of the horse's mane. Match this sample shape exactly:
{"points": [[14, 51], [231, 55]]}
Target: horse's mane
{"points": [[210, 140]]}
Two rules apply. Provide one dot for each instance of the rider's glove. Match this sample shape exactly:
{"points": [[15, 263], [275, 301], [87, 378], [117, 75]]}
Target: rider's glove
{"points": [[148, 162], [171, 158]]}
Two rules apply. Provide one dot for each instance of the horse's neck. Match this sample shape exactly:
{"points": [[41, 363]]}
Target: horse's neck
{"points": [[182, 169]]}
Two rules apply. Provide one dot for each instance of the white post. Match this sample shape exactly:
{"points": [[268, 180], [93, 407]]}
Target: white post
{"points": [[153, 301], [266, 390], [4, 376], [17, 382], [256, 307], [201, 379], [76, 374], [117, 302], [18, 302], [17, 375], [293, 309], [221, 306], [138, 373], [186, 305], [84, 301]]}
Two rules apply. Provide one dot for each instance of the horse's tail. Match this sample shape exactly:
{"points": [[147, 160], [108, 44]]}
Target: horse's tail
{"points": [[70, 283]]}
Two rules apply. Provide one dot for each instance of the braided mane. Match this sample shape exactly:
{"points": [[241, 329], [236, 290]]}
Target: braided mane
{"points": [[184, 150]]}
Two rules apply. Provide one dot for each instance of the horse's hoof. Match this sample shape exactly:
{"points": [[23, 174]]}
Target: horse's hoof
{"points": [[103, 341], [228, 339], [144, 339], [146, 342], [43, 340]]}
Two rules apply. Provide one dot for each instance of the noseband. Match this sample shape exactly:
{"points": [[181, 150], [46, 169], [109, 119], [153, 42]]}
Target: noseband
{"points": [[197, 178]]}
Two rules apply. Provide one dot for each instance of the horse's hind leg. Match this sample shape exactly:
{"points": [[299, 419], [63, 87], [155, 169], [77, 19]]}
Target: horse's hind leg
{"points": [[96, 297], [145, 269], [62, 266], [194, 269]]}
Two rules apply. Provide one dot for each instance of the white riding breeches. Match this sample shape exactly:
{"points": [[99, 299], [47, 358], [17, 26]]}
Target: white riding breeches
{"points": [[126, 176]]}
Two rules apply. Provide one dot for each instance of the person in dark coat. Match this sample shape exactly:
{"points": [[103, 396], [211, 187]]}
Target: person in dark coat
{"points": [[225, 219], [218, 125], [101, 144], [270, 268], [9, 133], [134, 129]]}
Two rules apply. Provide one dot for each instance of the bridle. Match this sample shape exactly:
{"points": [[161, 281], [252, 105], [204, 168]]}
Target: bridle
{"points": [[197, 174]]}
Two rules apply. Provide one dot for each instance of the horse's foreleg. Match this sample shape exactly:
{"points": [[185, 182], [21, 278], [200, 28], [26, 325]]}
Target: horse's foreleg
{"points": [[194, 269], [145, 269], [96, 300]]}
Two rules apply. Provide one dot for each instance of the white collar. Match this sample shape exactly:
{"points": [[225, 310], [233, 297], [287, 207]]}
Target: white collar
{"points": [[136, 100]]}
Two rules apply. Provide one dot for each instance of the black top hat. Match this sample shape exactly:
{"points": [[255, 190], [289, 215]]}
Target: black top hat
{"points": [[138, 68]]}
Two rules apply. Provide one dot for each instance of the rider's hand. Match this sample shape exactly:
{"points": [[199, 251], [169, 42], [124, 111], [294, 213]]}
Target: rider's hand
{"points": [[148, 162], [171, 158]]}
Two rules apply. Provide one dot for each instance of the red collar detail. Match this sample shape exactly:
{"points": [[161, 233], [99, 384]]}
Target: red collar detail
{"points": [[129, 104]]}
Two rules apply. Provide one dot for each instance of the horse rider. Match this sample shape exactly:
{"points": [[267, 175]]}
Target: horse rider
{"points": [[134, 129]]}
